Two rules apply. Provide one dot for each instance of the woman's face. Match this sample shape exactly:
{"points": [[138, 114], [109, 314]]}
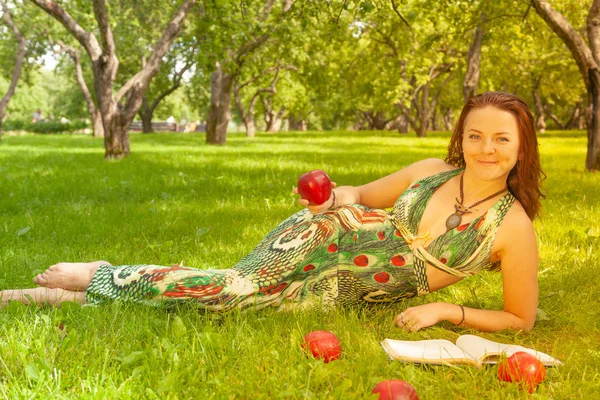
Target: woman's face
{"points": [[490, 143]]}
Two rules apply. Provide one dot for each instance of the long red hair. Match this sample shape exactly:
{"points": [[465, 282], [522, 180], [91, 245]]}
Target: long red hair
{"points": [[524, 180]]}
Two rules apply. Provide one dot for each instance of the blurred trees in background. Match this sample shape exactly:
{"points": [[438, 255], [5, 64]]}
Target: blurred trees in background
{"points": [[266, 65]]}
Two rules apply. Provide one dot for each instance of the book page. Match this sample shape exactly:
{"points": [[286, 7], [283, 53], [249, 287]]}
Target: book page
{"points": [[488, 352], [426, 351]]}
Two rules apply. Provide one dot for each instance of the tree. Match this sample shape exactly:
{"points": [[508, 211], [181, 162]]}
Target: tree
{"points": [[18, 65], [472, 75], [257, 90], [117, 109], [166, 82], [95, 114], [250, 29], [587, 58]]}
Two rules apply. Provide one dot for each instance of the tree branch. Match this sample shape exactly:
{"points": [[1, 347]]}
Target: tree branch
{"points": [[106, 35], [265, 72], [19, 60], [266, 10], [174, 87], [249, 47], [139, 82], [75, 56], [593, 29], [559, 24], [395, 7], [87, 39], [271, 89]]}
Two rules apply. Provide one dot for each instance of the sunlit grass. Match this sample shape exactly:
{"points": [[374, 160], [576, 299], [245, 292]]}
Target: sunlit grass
{"points": [[176, 199]]}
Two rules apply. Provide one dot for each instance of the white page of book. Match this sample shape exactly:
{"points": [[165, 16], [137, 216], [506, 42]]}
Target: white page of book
{"points": [[478, 347], [427, 349]]}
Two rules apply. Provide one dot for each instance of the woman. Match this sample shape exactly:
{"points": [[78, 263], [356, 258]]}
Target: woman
{"points": [[450, 219]]}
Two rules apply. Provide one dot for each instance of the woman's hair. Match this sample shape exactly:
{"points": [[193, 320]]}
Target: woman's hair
{"points": [[525, 179]]}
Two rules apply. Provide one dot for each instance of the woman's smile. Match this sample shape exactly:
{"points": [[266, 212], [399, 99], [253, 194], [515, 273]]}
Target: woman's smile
{"points": [[490, 143]]}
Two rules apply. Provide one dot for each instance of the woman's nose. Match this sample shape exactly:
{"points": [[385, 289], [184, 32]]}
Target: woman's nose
{"points": [[487, 146]]}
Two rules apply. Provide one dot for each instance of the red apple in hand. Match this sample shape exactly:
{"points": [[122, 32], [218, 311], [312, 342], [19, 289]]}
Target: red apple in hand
{"points": [[315, 186], [523, 368], [323, 344], [395, 390]]}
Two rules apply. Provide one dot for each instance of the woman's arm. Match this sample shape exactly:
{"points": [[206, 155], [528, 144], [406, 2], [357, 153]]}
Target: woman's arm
{"points": [[519, 261], [383, 192]]}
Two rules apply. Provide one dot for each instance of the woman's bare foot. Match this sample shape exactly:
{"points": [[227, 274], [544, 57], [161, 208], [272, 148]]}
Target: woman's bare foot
{"points": [[42, 296], [70, 276]]}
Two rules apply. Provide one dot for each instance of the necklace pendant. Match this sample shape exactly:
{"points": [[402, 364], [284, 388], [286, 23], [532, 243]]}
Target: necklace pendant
{"points": [[453, 221]]}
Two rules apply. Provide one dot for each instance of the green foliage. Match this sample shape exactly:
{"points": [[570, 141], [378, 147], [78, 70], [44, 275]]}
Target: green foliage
{"points": [[177, 199], [45, 126], [351, 56], [54, 94]]}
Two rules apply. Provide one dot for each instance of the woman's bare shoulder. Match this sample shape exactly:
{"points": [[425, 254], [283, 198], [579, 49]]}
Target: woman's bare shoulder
{"points": [[516, 227], [427, 167]]}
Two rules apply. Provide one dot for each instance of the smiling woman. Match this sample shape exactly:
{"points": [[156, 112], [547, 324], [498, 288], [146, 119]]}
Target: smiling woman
{"points": [[449, 220], [509, 126]]}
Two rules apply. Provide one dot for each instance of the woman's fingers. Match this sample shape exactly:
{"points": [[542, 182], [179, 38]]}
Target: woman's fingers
{"points": [[407, 321]]}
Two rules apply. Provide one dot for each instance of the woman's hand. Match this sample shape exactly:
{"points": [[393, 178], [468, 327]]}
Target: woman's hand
{"points": [[414, 318], [318, 209]]}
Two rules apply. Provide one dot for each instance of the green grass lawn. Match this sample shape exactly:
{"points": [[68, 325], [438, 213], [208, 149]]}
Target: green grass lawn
{"points": [[177, 199]]}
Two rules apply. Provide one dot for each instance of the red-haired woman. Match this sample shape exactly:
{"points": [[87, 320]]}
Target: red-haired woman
{"points": [[450, 219]]}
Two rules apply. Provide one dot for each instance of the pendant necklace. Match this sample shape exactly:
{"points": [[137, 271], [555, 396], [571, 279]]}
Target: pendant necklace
{"points": [[455, 219]]}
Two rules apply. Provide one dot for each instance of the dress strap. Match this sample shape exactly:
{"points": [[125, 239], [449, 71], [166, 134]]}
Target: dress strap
{"points": [[421, 276]]}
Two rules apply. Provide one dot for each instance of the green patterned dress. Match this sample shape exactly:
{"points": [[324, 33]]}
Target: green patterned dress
{"points": [[344, 256]]}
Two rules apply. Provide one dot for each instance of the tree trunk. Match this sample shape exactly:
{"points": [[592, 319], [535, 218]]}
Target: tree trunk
{"points": [[296, 124], [145, 114], [540, 124], [146, 123], [250, 127], [588, 61], [572, 123], [473, 61], [97, 124], [20, 59], [219, 113], [400, 124], [593, 153], [448, 120], [276, 121], [424, 111], [584, 118], [268, 113], [116, 139]]}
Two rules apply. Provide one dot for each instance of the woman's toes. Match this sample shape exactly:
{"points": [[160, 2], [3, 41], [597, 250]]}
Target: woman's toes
{"points": [[39, 280]]}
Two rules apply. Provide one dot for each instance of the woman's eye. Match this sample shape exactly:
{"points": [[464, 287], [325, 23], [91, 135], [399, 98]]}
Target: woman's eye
{"points": [[473, 136], [503, 139]]}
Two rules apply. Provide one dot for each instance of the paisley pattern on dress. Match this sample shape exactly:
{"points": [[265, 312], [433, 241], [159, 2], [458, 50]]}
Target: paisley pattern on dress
{"points": [[348, 255]]}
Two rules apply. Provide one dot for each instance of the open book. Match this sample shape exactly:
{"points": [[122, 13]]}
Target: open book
{"points": [[469, 349]]}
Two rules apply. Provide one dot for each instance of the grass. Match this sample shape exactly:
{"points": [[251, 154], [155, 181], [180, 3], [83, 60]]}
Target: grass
{"points": [[177, 199]]}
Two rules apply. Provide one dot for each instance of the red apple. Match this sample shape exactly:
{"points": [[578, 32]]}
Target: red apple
{"points": [[323, 344], [395, 390], [315, 186], [523, 368]]}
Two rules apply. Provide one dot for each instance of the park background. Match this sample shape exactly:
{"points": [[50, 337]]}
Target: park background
{"points": [[358, 88]]}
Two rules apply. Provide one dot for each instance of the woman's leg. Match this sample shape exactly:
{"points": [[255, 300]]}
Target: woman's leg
{"points": [[296, 261], [42, 296]]}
